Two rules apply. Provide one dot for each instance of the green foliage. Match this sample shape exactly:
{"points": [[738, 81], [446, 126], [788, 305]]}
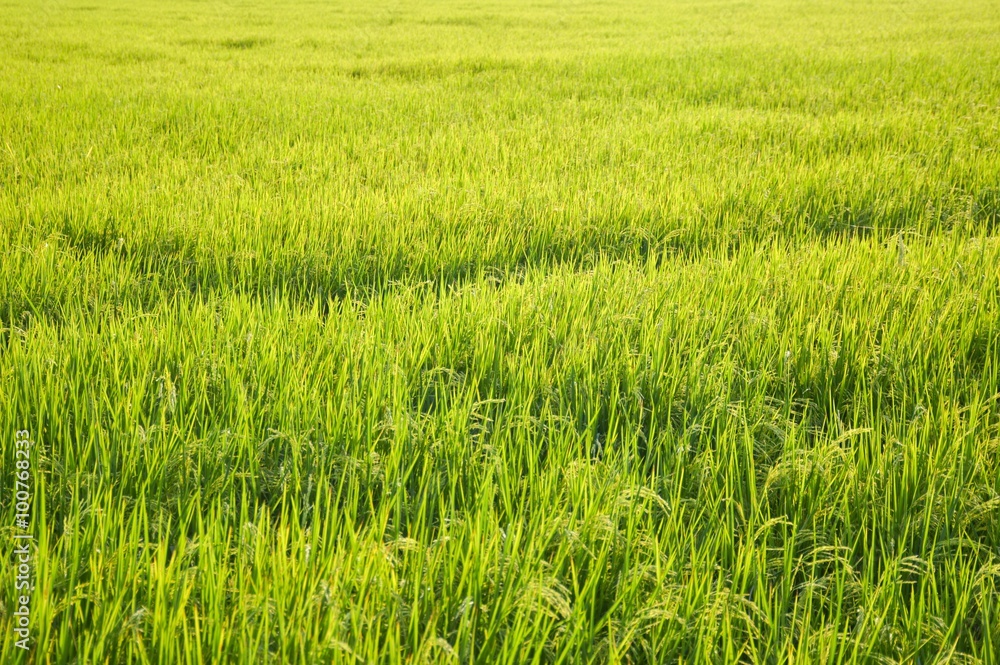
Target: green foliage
{"points": [[506, 332]]}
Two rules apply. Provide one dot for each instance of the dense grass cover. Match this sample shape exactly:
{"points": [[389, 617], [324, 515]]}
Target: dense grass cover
{"points": [[503, 332]]}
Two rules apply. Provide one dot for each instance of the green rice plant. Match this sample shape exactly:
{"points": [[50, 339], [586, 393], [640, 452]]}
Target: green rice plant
{"points": [[574, 332]]}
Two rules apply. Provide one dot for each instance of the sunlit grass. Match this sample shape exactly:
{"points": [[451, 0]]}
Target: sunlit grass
{"points": [[509, 332]]}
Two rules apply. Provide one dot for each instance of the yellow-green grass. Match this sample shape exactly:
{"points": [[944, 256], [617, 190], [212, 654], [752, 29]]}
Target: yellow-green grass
{"points": [[503, 332]]}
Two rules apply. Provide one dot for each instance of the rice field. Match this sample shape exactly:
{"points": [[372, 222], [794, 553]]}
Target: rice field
{"points": [[520, 331]]}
